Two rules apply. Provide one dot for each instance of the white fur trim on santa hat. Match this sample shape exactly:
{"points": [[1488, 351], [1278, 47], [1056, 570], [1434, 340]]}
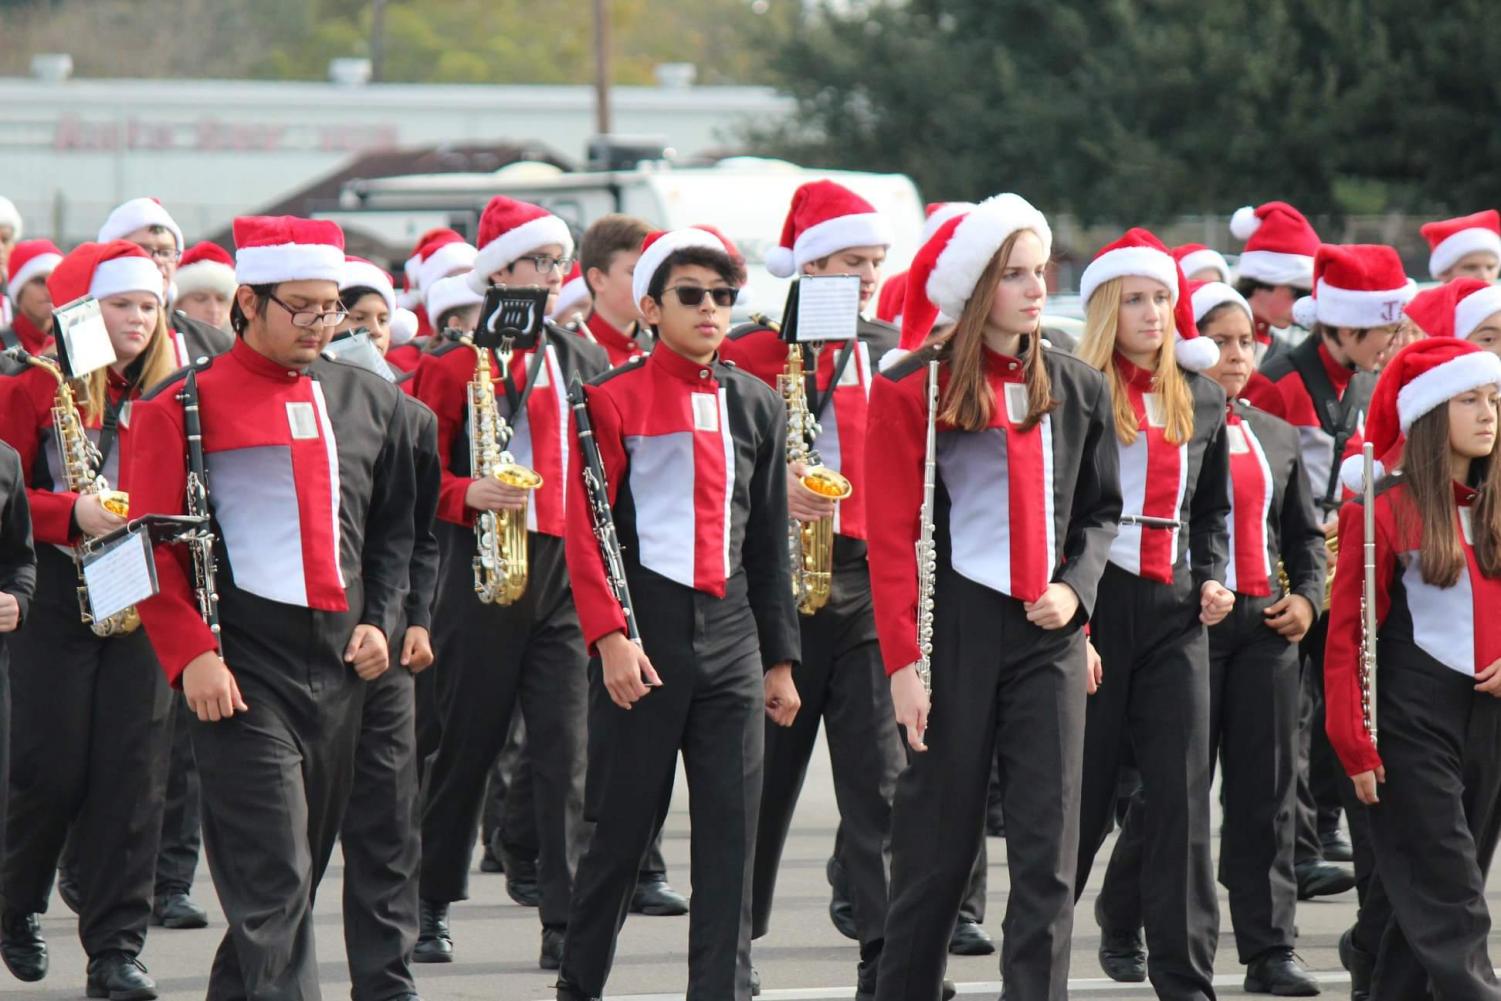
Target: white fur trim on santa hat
{"points": [[125, 274], [453, 292], [449, 259], [1441, 383], [1338, 307], [289, 262], [1122, 262], [509, 246], [135, 214], [363, 273], [865, 229], [1272, 267], [662, 247], [403, 326], [211, 276], [10, 216], [1212, 295], [573, 295], [43, 265], [1474, 309], [1206, 258], [1450, 251], [1352, 473], [975, 241], [1244, 222], [1195, 353]]}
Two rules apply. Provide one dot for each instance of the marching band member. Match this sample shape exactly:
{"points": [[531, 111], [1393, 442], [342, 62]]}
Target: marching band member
{"points": [[148, 225], [206, 286], [1161, 588], [1431, 784], [1253, 676], [1467, 247], [17, 588], [527, 654], [607, 258], [1274, 269], [1466, 308], [572, 305], [829, 231], [452, 304], [90, 746], [368, 296], [310, 483], [708, 568], [31, 326], [1023, 513], [1201, 263], [439, 253]]}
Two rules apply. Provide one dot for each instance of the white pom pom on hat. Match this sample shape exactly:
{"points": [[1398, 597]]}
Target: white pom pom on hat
{"points": [[1244, 222]]}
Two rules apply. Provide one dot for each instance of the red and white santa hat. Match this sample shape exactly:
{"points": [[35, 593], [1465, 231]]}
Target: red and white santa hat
{"points": [[1280, 244], [1209, 296], [1359, 285], [825, 217], [411, 294], [206, 267], [939, 213], [1138, 253], [1193, 257], [663, 243], [948, 266], [271, 249], [10, 216], [509, 229], [1451, 239], [360, 273], [1419, 378], [101, 270], [136, 214], [1455, 308], [451, 292], [32, 259], [573, 295], [443, 257], [403, 326]]}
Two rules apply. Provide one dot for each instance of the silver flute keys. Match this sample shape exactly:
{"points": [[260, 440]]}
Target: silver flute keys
{"points": [[927, 556], [1368, 598]]}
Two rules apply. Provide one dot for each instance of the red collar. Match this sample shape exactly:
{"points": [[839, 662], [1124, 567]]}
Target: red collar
{"points": [[1004, 366], [1464, 495], [673, 364], [1135, 376], [258, 364], [31, 338], [1339, 375], [605, 333]]}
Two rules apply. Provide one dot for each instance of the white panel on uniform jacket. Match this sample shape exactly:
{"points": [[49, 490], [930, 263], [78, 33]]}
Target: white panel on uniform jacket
{"points": [[665, 526], [255, 503], [1125, 550], [1443, 618]]}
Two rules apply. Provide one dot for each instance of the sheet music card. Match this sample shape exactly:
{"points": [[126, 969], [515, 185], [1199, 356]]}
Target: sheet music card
{"points": [[828, 308], [83, 343], [121, 574]]}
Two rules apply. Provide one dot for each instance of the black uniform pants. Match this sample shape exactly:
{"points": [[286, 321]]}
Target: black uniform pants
{"points": [[709, 707], [492, 659], [1435, 829], [1002, 688], [1155, 701], [1253, 730], [381, 844], [1320, 777], [842, 683], [177, 858], [89, 748]]}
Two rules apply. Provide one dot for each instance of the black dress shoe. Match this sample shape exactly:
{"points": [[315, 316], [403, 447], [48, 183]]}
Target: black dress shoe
{"points": [[1336, 846], [865, 976], [434, 943], [1318, 878], [755, 979], [1123, 957], [489, 863], [119, 977], [22, 946], [654, 898], [568, 992], [1278, 971], [969, 939], [521, 881], [67, 891], [1360, 964], [552, 948], [841, 909], [949, 990], [177, 910]]}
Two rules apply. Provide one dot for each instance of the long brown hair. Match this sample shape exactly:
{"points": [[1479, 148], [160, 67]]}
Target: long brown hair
{"points": [[1097, 348], [152, 366], [1426, 471], [968, 401]]}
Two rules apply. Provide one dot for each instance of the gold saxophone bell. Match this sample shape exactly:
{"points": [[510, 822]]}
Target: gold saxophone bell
{"points": [[513, 474], [826, 483], [116, 502]]}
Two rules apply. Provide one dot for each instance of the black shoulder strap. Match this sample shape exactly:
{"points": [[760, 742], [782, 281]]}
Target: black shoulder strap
{"points": [[9, 337], [819, 400], [911, 362], [517, 400], [1336, 416]]}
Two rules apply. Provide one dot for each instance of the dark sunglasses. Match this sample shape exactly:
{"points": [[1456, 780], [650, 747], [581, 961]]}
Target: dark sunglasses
{"points": [[693, 295]]}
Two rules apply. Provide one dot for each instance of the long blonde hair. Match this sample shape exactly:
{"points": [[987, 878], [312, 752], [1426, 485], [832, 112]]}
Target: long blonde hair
{"points": [[152, 366], [1101, 322]]}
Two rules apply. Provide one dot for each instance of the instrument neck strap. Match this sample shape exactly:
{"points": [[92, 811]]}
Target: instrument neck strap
{"points": [[515, 398], [820, 401]]}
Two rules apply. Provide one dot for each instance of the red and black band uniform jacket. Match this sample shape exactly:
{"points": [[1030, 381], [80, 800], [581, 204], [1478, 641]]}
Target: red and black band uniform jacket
{"points": [[694, 455], [23, 333], [1455, 627], [1013, 510], [619, 345], [311, 491], [1272, 515], [1189, 483]]}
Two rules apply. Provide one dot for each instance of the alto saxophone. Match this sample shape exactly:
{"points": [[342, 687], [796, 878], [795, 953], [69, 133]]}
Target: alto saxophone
{"points": [[927, 551], [80, 460], [810, 544], [500, 560]]}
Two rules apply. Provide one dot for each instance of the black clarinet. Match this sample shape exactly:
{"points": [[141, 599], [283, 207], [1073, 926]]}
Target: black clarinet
{"points": [[599, 509], [201, 541]]}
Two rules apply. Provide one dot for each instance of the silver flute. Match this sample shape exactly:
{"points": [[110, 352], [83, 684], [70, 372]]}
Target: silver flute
{"points": [[927, 554], [1368, 598]]}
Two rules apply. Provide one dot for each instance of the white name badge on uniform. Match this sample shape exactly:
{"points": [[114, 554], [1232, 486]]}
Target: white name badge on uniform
{"points": [[544, 378], [851, 374], [1467, 526], [120, 575], [1236, 436], [1016, 402], [303, 421], [705, 412], [1152, 403]]}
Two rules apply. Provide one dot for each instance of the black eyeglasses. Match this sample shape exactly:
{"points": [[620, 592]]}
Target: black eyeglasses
{"points": [[311, 317], [164, 255], [693, 295], [546, 262]]}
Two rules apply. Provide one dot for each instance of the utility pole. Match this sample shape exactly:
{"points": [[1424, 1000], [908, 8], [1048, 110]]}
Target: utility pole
{"points": [[377, 38], [602, 67]]}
